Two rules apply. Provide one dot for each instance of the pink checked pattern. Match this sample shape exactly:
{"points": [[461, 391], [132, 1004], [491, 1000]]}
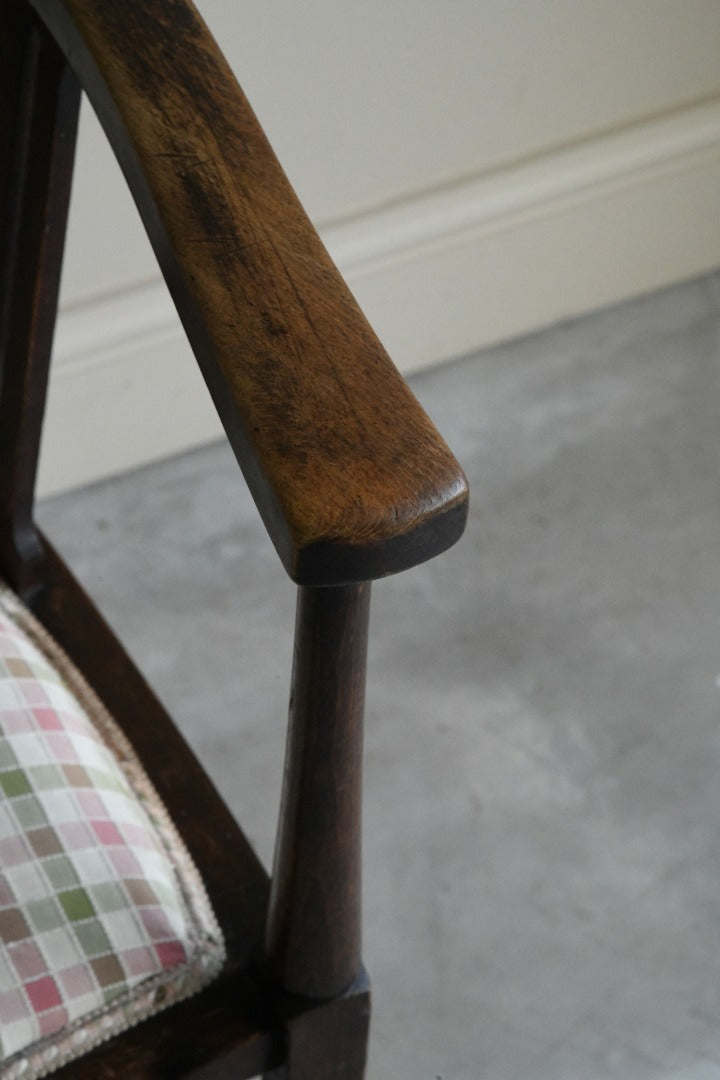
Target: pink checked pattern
{"points": [[102, 914]]}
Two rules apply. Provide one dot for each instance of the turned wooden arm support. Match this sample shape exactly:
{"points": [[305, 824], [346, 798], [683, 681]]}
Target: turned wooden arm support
{"points": [[350, 476]]}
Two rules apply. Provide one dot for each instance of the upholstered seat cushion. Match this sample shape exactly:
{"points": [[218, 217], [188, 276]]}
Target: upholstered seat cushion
{"points": [[103, 917]]}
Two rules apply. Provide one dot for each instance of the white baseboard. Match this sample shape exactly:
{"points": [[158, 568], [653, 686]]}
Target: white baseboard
{"points": [[439, 275]]}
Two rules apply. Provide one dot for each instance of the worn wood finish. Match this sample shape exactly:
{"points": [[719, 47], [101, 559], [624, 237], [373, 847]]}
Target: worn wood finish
{"points": [[313, 936], [39, 101], [350, 476]]}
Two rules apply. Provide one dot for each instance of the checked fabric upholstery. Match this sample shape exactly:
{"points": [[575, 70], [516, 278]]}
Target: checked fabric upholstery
{"points": [[103, 917]]}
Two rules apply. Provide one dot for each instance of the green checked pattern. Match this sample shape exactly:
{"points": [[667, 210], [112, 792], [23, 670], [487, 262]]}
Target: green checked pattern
{"points": [[103, 917]]}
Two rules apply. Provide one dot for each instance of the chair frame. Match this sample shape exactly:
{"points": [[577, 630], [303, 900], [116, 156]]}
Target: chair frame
{"points": [[293, 998]]}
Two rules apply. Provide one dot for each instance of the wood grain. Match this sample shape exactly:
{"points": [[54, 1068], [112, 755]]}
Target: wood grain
{"points": [[350, 476], [39, 99], [313, 935]]}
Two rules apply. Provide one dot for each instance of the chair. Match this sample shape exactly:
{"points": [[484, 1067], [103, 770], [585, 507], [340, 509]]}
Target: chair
{"points": [[348, 474]]}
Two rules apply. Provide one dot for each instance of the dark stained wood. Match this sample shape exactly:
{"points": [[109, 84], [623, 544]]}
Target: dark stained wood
{"points": [[313, 935], [330, 1041], [39, 101], [350, 476], [226, 1031], [352, 480], [41, 106]]}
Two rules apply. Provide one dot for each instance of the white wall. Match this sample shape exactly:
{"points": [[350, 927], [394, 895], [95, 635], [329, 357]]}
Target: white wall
{"points": [[477, 168]]}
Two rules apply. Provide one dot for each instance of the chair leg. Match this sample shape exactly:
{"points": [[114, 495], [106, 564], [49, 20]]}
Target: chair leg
{"points": [[313, 931], [313, 927], [328, 1041]]}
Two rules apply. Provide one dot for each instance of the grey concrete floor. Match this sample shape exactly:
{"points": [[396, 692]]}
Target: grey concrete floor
{"points": [[542, 827]]}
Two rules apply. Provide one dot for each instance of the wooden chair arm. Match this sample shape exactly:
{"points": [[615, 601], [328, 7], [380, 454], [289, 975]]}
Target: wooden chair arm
{"points": [[350, 476]]}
